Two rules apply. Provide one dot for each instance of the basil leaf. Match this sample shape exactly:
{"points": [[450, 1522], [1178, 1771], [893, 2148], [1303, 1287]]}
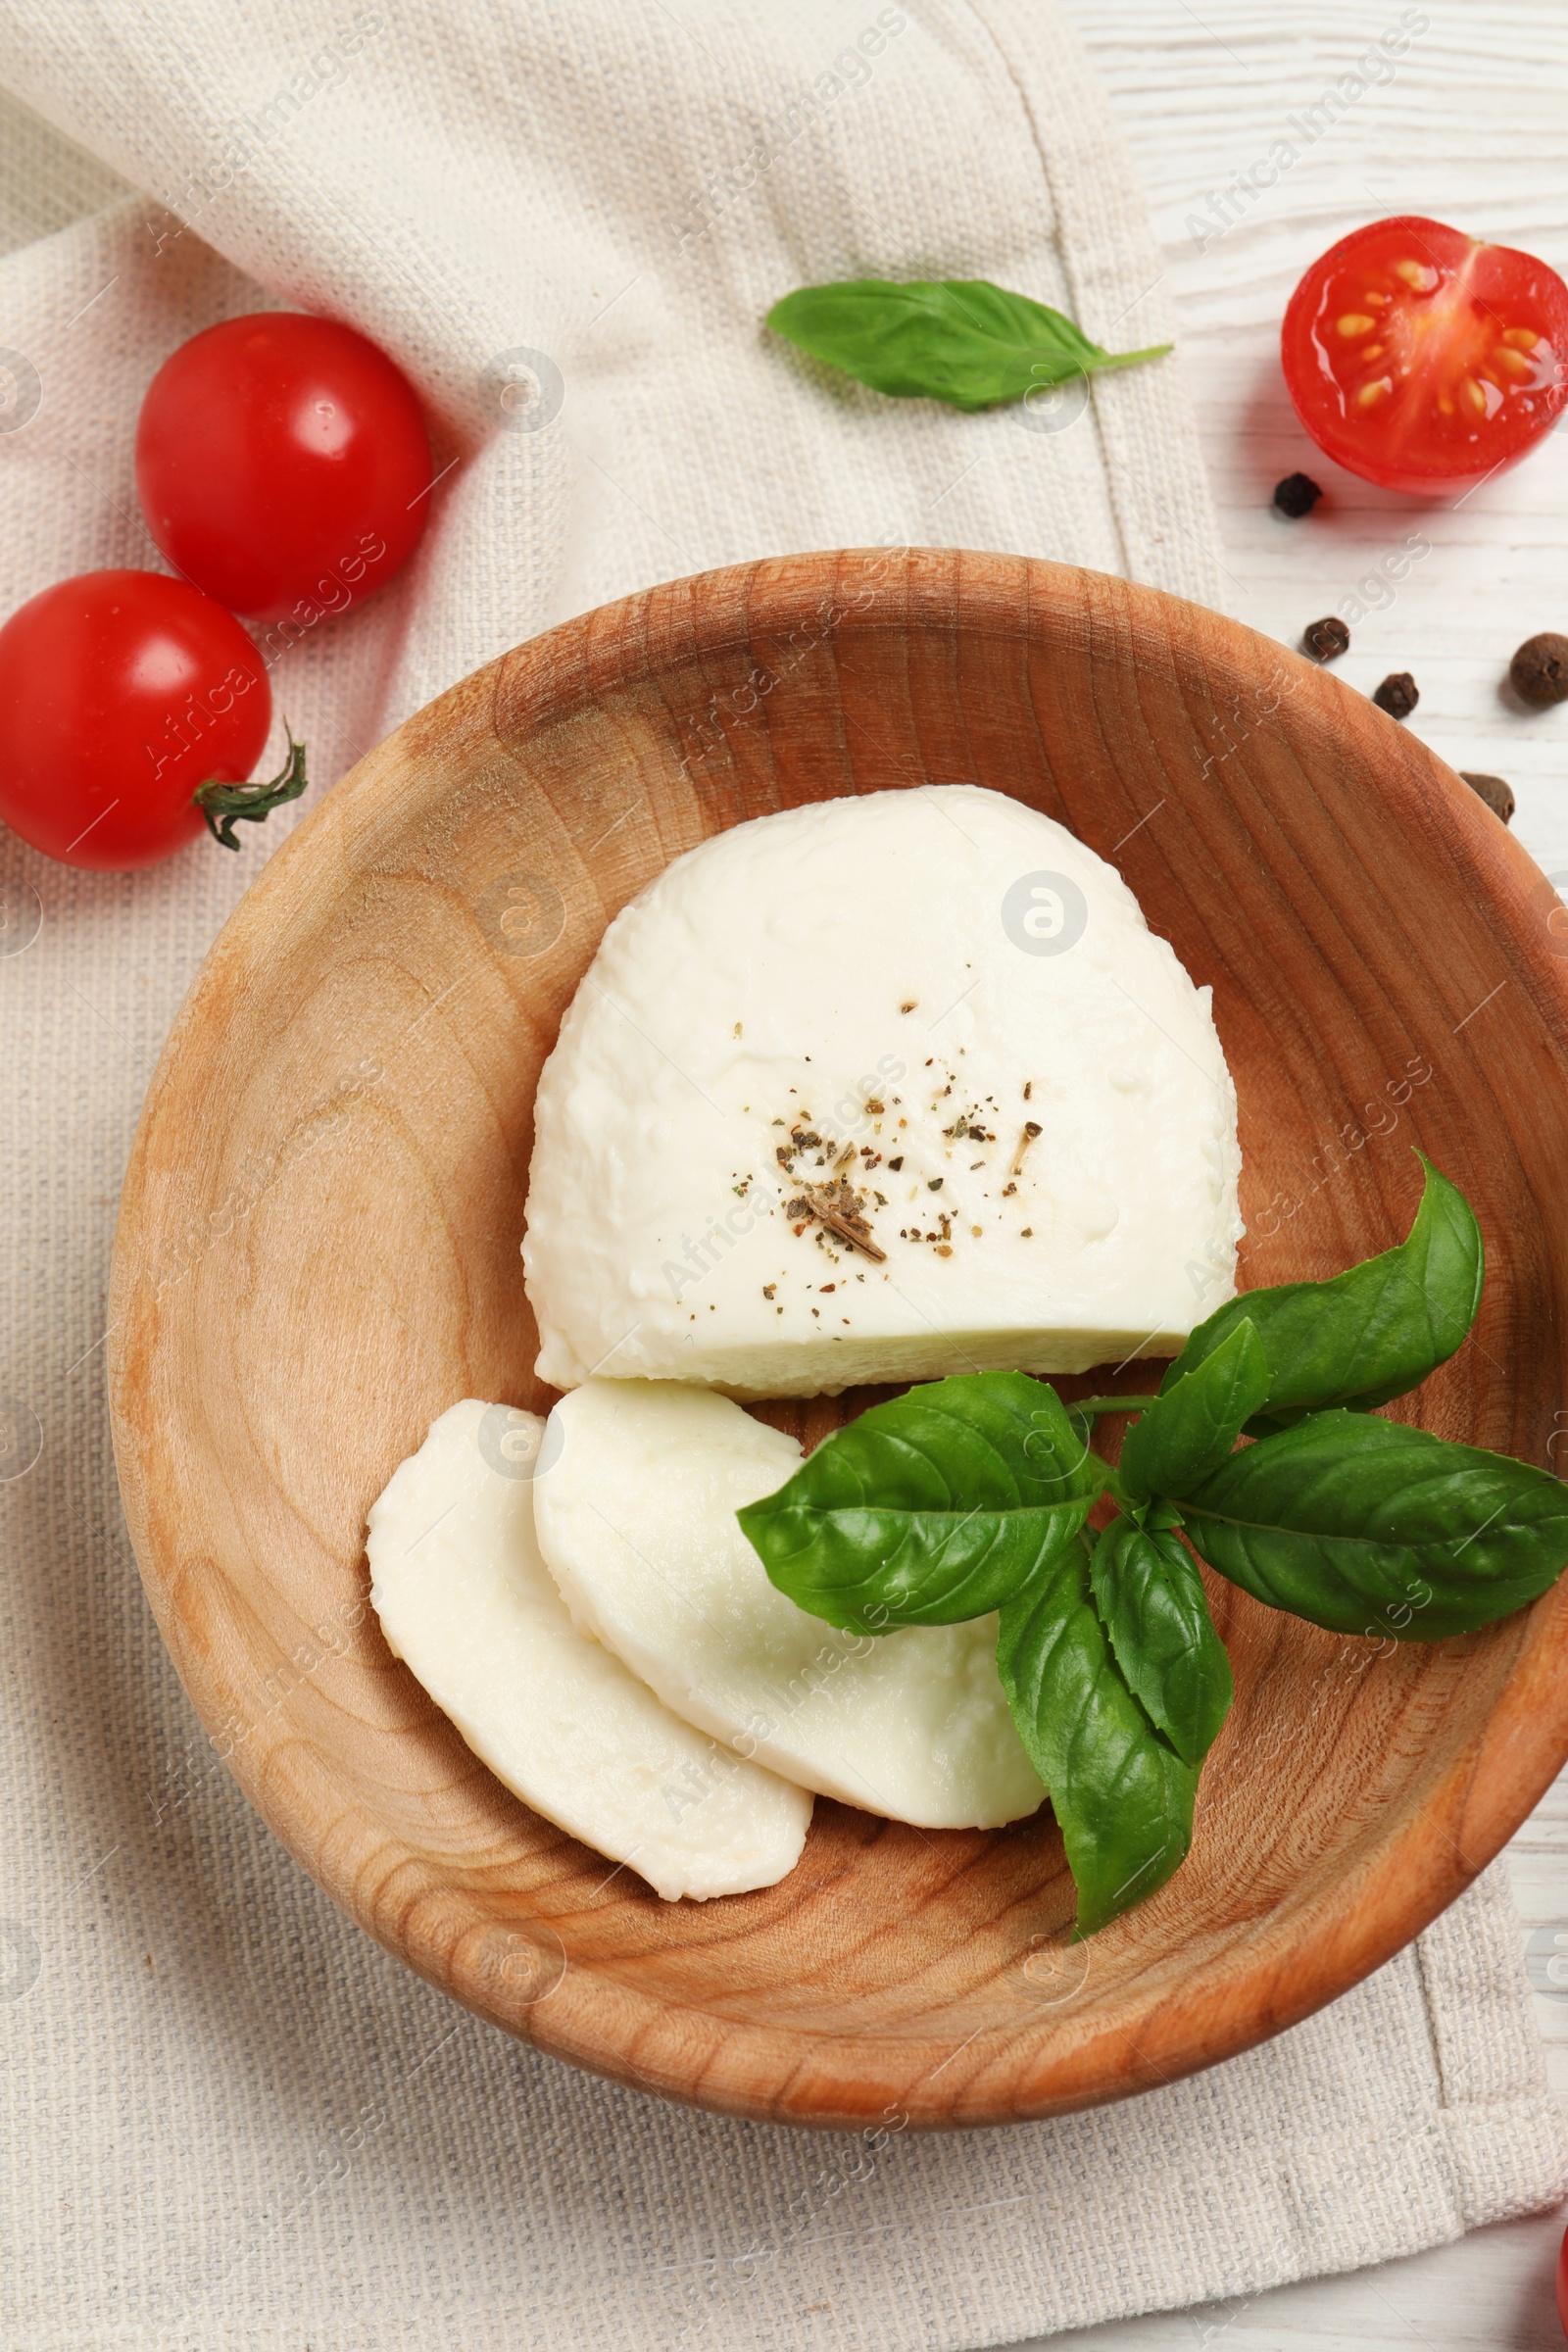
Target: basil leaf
{"points": [[932, 1508], [1372, 1332], [1123, 1798], [1152, 1605], [962, 340], [1363, 1525], [1192, 1425]]}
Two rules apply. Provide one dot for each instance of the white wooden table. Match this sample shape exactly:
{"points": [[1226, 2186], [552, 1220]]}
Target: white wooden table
{"points": [[1472, 130]]}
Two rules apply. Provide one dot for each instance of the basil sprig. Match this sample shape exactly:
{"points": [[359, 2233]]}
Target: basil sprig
{"points": [[972, 1494], [962, 340]]}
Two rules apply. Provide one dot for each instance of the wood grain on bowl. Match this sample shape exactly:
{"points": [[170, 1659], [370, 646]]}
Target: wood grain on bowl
{"points": [[318, 1253]]}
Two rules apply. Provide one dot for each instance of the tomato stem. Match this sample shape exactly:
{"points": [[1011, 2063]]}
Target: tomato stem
{"points": [[222, 804]]}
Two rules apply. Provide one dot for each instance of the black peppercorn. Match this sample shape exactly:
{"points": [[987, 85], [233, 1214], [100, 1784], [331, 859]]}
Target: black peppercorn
{"points": [[1325, 639], [1398, 695], [1297, 495], [1497, 795], [1539, 670]]}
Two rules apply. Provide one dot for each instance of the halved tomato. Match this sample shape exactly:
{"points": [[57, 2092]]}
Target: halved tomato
{"points": [[1423, 359]]}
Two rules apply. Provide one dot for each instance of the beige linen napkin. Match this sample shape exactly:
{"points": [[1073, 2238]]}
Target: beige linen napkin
{"points": [[233, 2121]]}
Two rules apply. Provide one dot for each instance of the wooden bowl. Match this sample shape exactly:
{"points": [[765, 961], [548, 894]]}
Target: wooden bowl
{"points": [[318, 1253]]}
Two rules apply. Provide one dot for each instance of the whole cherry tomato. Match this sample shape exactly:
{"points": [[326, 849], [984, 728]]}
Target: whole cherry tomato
{"points": [[283, 465], [1422, 360], [120, 693]]}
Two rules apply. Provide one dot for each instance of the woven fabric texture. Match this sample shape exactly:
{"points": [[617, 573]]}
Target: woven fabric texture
{"points": [[233, 2121]]}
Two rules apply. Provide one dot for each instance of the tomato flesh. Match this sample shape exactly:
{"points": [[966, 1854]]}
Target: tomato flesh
{"points": [[1422, 360], [283, 465], [121, 692]]}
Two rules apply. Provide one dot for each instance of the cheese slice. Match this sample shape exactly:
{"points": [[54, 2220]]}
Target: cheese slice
{"points": [[636, 1518], [465, 1599], [880, 1089]]}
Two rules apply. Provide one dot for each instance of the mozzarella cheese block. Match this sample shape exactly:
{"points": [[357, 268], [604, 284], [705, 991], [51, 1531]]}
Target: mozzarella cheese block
{"points": [[636, 1518], [465, 1597], [880, 1089]]}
